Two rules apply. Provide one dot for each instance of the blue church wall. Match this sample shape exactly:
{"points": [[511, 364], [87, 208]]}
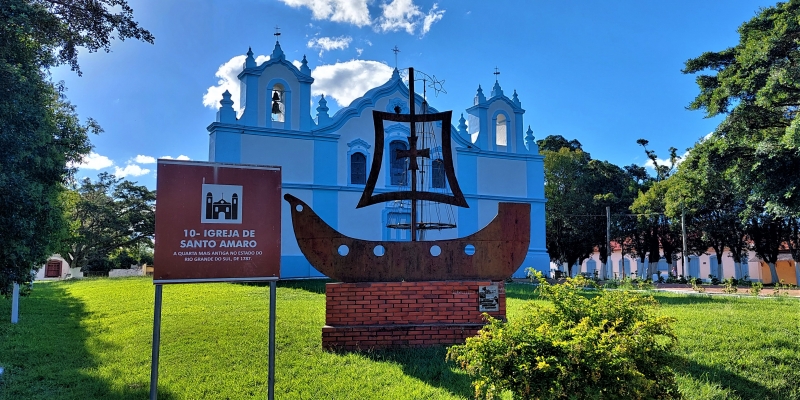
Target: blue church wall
{"points": [[281, 151], [225, 146], [325, 161], [491, 177]]}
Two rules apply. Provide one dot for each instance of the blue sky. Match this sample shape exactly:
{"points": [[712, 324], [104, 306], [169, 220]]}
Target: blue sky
{"points": [[605, 73]]}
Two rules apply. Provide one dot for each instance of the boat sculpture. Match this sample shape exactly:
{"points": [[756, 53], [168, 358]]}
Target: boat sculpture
{"points": [[492, 253]]}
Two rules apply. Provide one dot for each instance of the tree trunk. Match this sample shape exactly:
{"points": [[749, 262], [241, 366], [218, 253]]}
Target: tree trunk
{"points": [[797, 271], [737, 270], [773, 273], [652, 268]]}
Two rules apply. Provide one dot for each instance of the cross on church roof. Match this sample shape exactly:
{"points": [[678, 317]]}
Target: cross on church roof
{"points": [[395, 50], [277, 31], [496, 72]]}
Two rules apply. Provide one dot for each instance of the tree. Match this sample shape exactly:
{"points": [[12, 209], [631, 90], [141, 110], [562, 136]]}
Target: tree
{"points": [[109, 215], [557, 142], [658, 231], [655, 232], [756, 85], [578, 189], [568, 207], [42, 137], [713, 204]]}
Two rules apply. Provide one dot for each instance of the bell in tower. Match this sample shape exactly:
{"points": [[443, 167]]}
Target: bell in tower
{"points": [[276, 102]]}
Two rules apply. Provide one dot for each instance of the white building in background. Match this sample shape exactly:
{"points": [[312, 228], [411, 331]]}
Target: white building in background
{"points": [[698, 267], [57, 268], [325, 159]]}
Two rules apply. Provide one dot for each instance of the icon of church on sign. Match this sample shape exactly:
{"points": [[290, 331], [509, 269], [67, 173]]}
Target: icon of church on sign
{"points": [[224, 209]]}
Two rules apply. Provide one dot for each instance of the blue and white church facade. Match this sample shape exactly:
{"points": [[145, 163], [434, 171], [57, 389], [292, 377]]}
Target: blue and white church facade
{"points": [[325, 159]]}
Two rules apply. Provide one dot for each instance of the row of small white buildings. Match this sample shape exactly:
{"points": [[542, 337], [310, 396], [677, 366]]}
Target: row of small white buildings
{"points": [[753, 268]]}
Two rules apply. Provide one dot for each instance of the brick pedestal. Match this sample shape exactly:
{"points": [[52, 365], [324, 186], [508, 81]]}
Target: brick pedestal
{"points": [[403, 314]]}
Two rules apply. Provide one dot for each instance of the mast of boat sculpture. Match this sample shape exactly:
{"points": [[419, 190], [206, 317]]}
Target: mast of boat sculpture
{"points": [[412, 153]]}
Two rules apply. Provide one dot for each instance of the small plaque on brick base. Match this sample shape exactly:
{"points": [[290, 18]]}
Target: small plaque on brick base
{"points": [[407, 314]]}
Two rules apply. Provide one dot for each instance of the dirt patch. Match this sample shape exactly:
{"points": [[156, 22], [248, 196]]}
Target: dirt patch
{"points": [[719, 289]]}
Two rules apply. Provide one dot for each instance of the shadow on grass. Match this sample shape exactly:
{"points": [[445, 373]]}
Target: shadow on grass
{"points": [[683, 299], [310, 285], [45, 355], [428, 365], [736, 384]]}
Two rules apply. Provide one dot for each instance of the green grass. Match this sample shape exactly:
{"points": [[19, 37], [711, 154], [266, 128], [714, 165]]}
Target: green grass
{"points": [[90, 339]]}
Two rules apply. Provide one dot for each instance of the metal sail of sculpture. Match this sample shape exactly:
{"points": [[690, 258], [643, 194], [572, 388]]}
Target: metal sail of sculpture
{"points": [[413, 195]]}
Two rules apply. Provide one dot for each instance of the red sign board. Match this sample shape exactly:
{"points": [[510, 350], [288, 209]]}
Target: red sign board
{"points": [[217, 222]]}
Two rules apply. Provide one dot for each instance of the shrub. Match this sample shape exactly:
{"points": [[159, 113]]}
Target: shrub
{"points": [[602, 345], [730, 286], [755, 288], [696, 285]]}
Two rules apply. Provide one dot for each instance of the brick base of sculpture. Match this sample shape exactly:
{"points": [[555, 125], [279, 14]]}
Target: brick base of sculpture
{"points": [[360, 316]]}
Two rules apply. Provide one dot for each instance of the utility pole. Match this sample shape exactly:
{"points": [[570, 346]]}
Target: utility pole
{"points": [[608, 240], [684, 255]]}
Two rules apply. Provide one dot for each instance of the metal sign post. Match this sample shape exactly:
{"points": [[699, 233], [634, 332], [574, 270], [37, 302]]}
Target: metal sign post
{"points": [[271, 378], [156, 344]]}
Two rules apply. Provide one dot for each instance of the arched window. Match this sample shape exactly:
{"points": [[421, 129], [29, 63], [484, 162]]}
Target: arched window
{"points": [[437, 174], [277, 103], [398, 165], [501, 136], [358, 169]]}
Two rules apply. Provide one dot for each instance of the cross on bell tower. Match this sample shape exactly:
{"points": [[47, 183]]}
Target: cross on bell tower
{"points": [[395, 50]]}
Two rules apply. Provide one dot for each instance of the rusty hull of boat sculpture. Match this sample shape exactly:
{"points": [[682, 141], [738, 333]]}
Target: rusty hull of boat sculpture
{"points": [[499, 250]]}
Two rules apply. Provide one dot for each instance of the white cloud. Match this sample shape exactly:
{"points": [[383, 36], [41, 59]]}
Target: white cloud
{"points": [[130, 169], [141, 159], [433, 16], [343, 81], [228, 80], [396, 14], [94, 161], [359, 51], [350, 11], [329, 43], [678, 160], [346, 81], [180, 157], [649, 163], [405, 15]]}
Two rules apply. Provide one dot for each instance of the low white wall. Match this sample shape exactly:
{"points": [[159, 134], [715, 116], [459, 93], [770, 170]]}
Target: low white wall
{"points": [[135, 270]]}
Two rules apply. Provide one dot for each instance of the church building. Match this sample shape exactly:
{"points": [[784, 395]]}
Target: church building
{"points": [[326, 159]]}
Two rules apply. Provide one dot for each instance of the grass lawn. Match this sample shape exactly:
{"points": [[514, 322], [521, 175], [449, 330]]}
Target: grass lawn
{"points": [[90, 339]]}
